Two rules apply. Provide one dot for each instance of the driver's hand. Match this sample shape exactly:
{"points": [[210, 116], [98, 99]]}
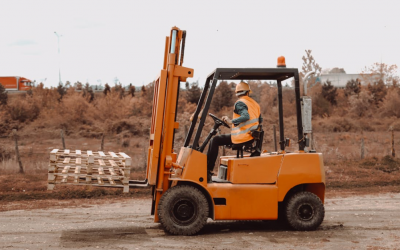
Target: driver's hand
{"points": [[227, 120], [199, 117]]}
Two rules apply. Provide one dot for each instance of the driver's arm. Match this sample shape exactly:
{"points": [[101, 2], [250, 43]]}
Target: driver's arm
{"points": [[241, 109]]}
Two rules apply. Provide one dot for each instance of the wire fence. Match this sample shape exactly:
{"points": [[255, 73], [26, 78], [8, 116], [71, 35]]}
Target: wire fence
{"points": [[340, 146]]}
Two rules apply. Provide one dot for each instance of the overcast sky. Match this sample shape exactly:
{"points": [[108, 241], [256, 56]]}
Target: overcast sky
{"points": [[102, 40]]}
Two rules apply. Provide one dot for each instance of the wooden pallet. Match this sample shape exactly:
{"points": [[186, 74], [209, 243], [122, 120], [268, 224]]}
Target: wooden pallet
{"points": [[76, 167]]}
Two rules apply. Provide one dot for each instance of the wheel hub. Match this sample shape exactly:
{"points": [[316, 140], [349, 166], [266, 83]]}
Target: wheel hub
{"points": [[183, 211], [305, 212]]}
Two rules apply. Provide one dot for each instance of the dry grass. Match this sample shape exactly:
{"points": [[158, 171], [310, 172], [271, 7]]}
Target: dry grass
{"points": [[126, 122]]}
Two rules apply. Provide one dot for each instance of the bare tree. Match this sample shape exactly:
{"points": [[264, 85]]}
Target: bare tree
{"points": [[380, 72], [309, 64]]}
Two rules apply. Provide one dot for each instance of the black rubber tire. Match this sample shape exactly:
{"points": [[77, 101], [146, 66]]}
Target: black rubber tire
{"points": [[183, 210], [304, 211]]}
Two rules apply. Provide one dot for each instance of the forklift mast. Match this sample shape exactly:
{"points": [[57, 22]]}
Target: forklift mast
{"points": [[163, 120]]}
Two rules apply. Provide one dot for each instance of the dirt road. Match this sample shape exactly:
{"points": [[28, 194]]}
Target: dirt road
{"points": [[362, 222]]}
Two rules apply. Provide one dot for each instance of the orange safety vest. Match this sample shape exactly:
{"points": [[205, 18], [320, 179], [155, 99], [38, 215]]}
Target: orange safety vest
{"points": [[241, 133]]}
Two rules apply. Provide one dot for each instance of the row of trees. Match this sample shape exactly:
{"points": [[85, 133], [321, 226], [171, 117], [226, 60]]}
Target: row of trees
{"points": [[86, 106], [355, 99]]}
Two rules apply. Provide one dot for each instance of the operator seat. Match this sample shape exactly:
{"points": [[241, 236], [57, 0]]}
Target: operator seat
{"points": [[258, 135]]}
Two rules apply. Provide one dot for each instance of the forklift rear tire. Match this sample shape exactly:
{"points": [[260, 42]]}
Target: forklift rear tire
{"points": [[183, 210], [304, 211]]}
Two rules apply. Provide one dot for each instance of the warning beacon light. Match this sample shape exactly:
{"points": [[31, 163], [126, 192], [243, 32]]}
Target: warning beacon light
{"points": [[281, 62]]}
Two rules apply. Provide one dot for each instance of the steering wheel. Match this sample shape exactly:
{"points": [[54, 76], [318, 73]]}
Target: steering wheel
{"points": [[218, 121]]}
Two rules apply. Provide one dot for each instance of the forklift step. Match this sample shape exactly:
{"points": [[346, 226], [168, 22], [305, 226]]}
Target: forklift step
{"points": [[77, 167], [218, 180]]}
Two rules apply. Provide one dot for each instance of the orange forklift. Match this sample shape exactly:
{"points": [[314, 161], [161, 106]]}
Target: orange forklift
{"points": [[255, 186]]}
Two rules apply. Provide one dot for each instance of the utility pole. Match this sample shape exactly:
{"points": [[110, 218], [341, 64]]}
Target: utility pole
{"points": [[59, 57]]}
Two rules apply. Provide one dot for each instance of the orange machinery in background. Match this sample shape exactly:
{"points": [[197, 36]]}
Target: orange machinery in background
{"points": [[16, 83]]}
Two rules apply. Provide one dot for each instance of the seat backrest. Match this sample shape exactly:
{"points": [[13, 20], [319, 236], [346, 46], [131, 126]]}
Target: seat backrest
{"points": [[258, 135]]}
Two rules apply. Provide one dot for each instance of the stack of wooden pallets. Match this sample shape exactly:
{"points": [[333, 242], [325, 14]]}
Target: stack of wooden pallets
{"points": [[76, 167]]}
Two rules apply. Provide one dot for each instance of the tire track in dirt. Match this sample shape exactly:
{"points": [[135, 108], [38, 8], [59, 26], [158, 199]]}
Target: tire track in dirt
{"points": [[355, 222]]}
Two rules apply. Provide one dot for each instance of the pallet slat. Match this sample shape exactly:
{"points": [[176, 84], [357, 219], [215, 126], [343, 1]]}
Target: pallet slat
{"points": [[66, 169], [54, 151], [77, 169], [114, 155], [111, 171], [113, 164], [111, 181]]}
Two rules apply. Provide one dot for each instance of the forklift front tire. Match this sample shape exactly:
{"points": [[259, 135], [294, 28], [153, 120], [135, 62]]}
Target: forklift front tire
{"points": [[304, 211], [183, 210]]}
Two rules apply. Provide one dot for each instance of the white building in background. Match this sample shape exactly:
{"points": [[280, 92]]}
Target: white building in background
{"points": [[339, 80]]}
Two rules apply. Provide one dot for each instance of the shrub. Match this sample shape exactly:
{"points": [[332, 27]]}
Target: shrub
{"points": [[3, 95], [193, 92], [329, 92], [353, 87], [378, 91], [5, 154], [321, 107], [359, 105], [223, 97], [23, 110], [134, 128], [336, 125], [391, 105], [126, 142]]}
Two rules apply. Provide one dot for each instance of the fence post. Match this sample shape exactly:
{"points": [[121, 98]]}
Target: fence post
{"points": [[185, 130], [21, 168], [362, 148], [393, 151], [275, 144], [102, 142], [62, 138]]}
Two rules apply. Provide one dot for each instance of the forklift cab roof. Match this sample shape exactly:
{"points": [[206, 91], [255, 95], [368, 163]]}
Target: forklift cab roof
{"points": [[278, 74]]}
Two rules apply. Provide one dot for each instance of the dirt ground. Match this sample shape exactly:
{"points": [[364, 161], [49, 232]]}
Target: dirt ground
{"points": [[353, 222]]}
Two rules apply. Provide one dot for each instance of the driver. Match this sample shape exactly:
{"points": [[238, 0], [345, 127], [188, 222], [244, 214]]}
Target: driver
{"points": [[246, 117]]}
